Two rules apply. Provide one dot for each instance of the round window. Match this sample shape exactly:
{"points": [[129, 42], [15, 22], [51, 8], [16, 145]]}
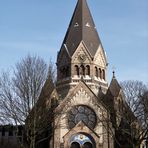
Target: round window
{"points": [[82, 113]]}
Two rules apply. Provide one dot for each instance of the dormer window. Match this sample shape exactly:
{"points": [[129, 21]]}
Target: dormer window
{"points": [[76, 24], [87, 24]]}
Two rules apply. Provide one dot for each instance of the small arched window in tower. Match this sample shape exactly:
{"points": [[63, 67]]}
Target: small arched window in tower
{"points": [[76, 70], [100, 73], [96, 72], [88, 70], [82, 70], [103, 74]]}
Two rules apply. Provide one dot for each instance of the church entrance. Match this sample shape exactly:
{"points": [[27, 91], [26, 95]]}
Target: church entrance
{"points": [[85, 145], [75, 145], [82, 141]]}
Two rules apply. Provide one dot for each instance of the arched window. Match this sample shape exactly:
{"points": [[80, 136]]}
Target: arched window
{"points": [[96, 72], [103, 74], [76, 71], [82, 70], [87, 145], [100, 73], [88, 70], [75, 145]]}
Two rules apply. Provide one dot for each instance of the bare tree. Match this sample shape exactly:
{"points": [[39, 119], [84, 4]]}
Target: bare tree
{"points": [[20, 90], [136, 93]]}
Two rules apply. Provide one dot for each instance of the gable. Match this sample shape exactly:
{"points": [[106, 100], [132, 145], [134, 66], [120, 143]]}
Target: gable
{"points": [[81, 95], [100, 57], [81, 50], [81, 129]]}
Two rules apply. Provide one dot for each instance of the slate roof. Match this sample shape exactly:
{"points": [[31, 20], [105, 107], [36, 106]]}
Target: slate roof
{"points": [[82, 28], [114, 87]]}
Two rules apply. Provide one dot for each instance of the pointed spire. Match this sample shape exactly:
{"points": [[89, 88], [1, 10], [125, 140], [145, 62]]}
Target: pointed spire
{"points": [[82, 28], [100, 93], [113, 71], [114, 86]]}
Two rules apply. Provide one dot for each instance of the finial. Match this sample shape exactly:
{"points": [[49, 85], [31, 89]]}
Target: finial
{"points": [[113, 71], [113, 74]]}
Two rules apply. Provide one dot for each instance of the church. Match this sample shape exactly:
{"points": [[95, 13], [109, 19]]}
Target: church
{"points": [[81, 110]]}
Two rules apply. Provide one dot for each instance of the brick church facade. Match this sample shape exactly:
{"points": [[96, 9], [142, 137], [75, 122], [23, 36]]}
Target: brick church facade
{"points": [[82, 110]]}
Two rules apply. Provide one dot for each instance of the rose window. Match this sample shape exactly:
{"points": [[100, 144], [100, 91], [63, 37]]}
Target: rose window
{"points": [[82, 113]]}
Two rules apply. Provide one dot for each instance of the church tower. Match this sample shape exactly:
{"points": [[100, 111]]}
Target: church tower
{"points": [[81, 56], [81, 118]]}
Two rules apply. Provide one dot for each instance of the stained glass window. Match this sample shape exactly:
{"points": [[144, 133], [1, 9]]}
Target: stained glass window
{"points": [[82, 113]]}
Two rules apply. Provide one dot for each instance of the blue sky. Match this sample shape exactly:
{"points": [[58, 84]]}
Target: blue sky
{"points": [[39, 26]]}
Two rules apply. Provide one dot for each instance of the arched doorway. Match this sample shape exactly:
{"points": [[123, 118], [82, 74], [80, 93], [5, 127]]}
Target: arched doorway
{"points": [[75, 145], [87, 145], [82, 140]]}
